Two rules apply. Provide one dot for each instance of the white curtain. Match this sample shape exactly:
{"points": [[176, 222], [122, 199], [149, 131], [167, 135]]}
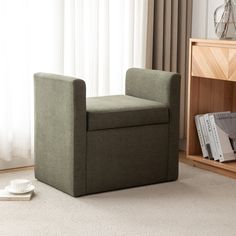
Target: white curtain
{"points": [[95, 40], [102, 38]]}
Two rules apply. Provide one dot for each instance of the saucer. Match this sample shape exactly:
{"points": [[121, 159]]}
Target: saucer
{"points": [[27, 190]]}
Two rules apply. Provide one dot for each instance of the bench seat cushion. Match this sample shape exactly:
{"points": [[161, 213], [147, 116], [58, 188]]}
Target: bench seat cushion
{"points": [[123, 111]]}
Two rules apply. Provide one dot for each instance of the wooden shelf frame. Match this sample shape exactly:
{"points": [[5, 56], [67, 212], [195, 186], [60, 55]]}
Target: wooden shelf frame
{"points": [[211, 88]]}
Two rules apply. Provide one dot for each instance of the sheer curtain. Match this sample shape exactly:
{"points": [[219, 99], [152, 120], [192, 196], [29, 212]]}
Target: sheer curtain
{"points": [[96, 40], [102, 38]]}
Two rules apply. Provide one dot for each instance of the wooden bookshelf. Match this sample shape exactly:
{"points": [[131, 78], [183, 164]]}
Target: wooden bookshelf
{"points": [[211, 88]]}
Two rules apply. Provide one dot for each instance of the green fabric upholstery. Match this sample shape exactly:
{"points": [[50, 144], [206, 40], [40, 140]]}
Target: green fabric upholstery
{"points": [[60, 132], [124, 111], [163, 87], [112, 142], [126, 157]]}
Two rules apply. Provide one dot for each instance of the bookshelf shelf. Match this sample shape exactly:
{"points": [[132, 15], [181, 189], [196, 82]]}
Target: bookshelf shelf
{"points": [[211, 88], [227, 169]]}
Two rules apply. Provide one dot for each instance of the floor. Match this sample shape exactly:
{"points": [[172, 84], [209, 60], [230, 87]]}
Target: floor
{"points": [[199, 203]]}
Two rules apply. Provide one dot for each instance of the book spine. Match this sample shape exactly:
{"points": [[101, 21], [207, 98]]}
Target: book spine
{"points": [[216, 137], [215, 155], [205, 136], [200, 136]]}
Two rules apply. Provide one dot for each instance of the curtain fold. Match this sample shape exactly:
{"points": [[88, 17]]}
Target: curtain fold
{"points": [[14, 110], [172, 21], [149, 36], [95, 40]]}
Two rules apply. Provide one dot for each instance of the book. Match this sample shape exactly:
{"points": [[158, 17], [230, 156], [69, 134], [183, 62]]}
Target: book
{"points": [[224, 128], [200, 136], [205, 136], [215, 133], [6, 196], [212, 143]]}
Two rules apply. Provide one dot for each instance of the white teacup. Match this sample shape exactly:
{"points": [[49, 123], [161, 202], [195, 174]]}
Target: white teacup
{"points": [[19, 185]]}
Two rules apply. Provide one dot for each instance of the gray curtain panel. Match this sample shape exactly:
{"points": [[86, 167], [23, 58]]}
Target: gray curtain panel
{"points": [[168, 33]]}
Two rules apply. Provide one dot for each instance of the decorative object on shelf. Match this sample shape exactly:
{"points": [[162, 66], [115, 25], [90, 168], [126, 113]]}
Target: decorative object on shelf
{"points": [[224, 20]]}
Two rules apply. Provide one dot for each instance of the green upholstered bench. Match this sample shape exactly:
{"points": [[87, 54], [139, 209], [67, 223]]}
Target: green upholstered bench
{"points": [[92, 145]]}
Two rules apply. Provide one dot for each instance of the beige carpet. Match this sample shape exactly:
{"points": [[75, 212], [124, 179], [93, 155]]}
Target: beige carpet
{"points": [[199, 203]]}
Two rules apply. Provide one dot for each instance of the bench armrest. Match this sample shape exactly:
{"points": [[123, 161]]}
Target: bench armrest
{"points": [[163, 87], [60, 132]]}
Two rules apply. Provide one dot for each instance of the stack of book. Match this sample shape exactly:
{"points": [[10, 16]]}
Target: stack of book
{"points": [[217, 135]]}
